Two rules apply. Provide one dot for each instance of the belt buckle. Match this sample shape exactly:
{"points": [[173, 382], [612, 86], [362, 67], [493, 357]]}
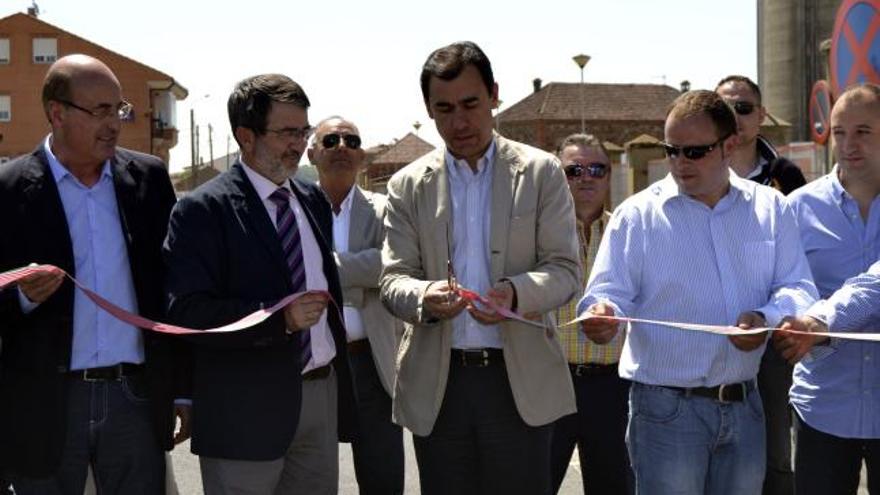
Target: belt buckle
{"points": [[86, 378], [468, 354], [724, 386]]}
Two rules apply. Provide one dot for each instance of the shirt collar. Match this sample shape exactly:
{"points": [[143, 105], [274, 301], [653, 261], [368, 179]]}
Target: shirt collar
{"points": [[262, 185], [345, 207], [455, 165], [759, 168], [837, 190], [59, 171], [667, 188]]}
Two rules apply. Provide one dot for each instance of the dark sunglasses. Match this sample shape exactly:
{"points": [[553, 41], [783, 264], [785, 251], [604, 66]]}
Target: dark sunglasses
{"points": [[690, 152], [351, 141], [743, 107], [594, 170]]}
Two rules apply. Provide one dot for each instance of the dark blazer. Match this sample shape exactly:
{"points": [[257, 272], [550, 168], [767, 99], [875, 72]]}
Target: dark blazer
{"points": [[225, 261], [37, 346]]}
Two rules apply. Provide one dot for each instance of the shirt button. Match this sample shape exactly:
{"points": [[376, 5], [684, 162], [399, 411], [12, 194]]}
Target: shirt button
{"points": [[867, 358]]}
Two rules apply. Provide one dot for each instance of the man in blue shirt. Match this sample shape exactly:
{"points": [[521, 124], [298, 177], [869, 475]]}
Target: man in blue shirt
{"points": [[79, 388], [836, 385], [699, 246]]}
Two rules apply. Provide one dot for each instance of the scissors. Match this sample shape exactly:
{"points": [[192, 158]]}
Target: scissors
{"points": [[451, 281]]}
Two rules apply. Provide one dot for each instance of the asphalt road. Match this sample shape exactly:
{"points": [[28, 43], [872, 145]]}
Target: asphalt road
{"points": [[186, 468]]}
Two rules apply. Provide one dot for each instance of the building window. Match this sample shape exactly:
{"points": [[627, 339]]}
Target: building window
{"points": [[4, 50], [5, 108], [45, 50]]}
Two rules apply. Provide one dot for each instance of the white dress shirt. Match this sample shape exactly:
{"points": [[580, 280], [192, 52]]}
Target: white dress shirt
{"points": [[323, 347], [354, 324], [471, 198], [667, 256]]}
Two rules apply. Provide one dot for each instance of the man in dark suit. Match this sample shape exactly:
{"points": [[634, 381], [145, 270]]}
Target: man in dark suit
{"points": [[269, 403], [78, 387]]}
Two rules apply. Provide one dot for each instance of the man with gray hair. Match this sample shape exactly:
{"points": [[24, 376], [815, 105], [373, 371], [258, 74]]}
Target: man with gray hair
{"points": [[371, 332], [598, 428]]}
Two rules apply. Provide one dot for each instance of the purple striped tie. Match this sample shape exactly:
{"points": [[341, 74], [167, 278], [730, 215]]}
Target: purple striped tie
{"points": [[291, 245]]}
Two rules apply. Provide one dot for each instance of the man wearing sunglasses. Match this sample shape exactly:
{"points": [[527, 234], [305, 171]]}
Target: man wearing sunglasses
{"points": [[271, 403], [79, 388], [835, 386], [754, 158], [372, 333], [478, 391], [599, 426], [699, 246]]}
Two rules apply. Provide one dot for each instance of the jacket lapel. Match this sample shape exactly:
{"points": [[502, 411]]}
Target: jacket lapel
{"points": [[360, 222], [125, 185], [436, 192], [505, 179], [252, 213], [41, 194]]}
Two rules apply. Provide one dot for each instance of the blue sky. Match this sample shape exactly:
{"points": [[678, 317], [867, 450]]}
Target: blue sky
{"points": [[361, 59]]}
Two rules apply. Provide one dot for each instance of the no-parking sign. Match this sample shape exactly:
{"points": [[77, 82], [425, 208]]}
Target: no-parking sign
{"points": [[820, 112], [855, 45]]}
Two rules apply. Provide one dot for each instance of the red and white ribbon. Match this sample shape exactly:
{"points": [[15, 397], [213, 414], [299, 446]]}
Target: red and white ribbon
{"points": [[13, 276]]}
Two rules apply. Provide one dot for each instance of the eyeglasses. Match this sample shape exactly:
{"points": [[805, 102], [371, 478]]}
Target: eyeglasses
{"points": [[690, 152], [743, 107], [351, 141], [122, 110], [595, 170], [293, 132]]}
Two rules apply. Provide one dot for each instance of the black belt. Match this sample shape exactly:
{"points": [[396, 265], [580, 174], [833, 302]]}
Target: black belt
{"points": [[107, 373], [592, 369], [477, 357], [728, 392], [317, 373], [358, 346]]}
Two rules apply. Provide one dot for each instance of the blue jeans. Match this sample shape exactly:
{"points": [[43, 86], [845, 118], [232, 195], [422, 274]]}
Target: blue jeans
{"points": [[109, 428], [694, 445]]}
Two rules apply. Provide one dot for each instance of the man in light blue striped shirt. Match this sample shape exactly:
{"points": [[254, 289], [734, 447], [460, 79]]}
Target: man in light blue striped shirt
{"points": [[699, 246], [835, 392]]}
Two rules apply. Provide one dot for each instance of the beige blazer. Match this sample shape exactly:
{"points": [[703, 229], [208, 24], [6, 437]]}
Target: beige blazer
{"points": [[359, 271], [533, 244]]}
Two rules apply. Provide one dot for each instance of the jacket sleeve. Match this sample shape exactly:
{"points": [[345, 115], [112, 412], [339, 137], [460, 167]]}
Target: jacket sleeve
{"points": [[195, 255]]}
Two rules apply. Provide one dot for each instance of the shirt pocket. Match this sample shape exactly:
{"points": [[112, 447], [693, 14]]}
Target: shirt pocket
{"points": [[759, 266]]}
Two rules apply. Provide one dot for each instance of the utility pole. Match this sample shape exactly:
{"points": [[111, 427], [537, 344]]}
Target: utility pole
{"points": [[193, 137], [211, 145]]}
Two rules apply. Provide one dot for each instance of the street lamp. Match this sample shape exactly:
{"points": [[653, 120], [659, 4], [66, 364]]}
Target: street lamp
{"points": [[581, 60]]}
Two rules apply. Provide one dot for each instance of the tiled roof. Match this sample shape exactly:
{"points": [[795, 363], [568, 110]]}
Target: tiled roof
{"points": [[643, 140], [562, 101], [406, 150]]}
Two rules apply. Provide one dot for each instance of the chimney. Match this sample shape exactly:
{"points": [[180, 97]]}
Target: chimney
{"points": [[536, 84], [34, 9], [685, 86]]}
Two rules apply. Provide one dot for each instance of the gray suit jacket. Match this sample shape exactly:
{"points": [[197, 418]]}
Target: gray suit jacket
{"points": [[533, 244], [359, 271]]}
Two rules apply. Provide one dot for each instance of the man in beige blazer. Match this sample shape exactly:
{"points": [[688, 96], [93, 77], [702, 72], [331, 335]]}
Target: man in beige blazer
{"points": [[478, 391], [371, 331]]}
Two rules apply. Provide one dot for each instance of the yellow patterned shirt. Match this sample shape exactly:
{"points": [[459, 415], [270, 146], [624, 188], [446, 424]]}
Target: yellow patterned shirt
{"points": [[578, 348]]}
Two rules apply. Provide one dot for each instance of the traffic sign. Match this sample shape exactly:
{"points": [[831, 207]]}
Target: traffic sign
{"points": [[820, 112], [855, 45]]}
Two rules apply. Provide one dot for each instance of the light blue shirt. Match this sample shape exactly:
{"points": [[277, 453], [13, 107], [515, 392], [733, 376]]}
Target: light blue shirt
{"points": [[101, 262], [837, 386], [667, 256], [471, 198]]}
